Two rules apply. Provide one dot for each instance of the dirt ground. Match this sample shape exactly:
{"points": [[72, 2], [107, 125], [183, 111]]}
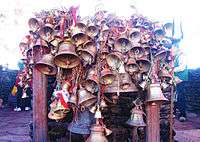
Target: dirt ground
{"points": [[14, 127]]}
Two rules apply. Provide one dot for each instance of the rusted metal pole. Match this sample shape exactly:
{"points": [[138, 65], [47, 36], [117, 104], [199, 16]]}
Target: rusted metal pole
{"points": [[153, 122], [40, 128]]}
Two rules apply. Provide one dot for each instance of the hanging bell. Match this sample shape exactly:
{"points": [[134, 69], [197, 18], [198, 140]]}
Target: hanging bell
{"points": [[66, 57], [103, 103], [144, 64], [131, 66], [107, 131], [126, 82], [135, 35], [82, 125], [78, 34], [137, 51], [161, 55], [92, 31], [136, 119], [86, 99], [104, 51], [41, 46], [46, 65], [155, 93], [92, 81], [107, 77], [164, 74], [114, 60], [46, 33], [88, 52], [73, 99], [98, 113], [122, 44], [97, 134], [33, 24], [150, 49], [60, 109]]}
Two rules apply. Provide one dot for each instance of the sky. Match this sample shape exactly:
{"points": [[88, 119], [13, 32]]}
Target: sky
{"points": [[14, 15]]}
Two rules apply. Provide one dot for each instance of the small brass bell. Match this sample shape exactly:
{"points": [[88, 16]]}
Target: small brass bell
{"points": [[135, 35], [98, 113], [46, 65], [137, 51], [164, 74], [92, 31], [131, 66], [86, 99], [136, 119], [33, 24], [92, 81], [107, 77], [82, 125], [144, 64], [46, 33], [114, 60], [161, 55], [97, 134], [122, 44], [155, 93], [66, 57]]}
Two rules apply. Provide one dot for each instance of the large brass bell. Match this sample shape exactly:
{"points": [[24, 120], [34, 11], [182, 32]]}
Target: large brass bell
{"points": [[33, 24], [131, 66], [155, 93], [66, 57], [97, 134], [46, 65], [122, 44], [92, 81], [135, 35], [114, 60], [144, 64], [92, 31], [136, 119], [82, 125], [107, 77], [86, 98]]}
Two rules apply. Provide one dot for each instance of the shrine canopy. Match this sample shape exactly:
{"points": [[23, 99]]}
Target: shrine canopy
{"points": [[14, 15]]}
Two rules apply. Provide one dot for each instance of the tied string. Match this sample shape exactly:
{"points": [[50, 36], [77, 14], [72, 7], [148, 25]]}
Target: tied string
{"points": [[73, 11]]}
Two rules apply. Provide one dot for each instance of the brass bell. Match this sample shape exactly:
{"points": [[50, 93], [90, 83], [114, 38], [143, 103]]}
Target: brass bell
{"points": [[137, 51], [78, 34], [46, 33], [161, 55], [131, 66], [144, 64], [41, 46], [155, 93], [104, 51], [92, 81], [97, 134], [73, 99], [107, 77], [135, 35], [92, 31], [46, 65], [88, 52], [164, 74], [33, 24], [66, 57], [125, 81], [150, 49], [122, 44], [98, 113], [82, 125], [86, 99], [114, 60], [136, 119]]}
